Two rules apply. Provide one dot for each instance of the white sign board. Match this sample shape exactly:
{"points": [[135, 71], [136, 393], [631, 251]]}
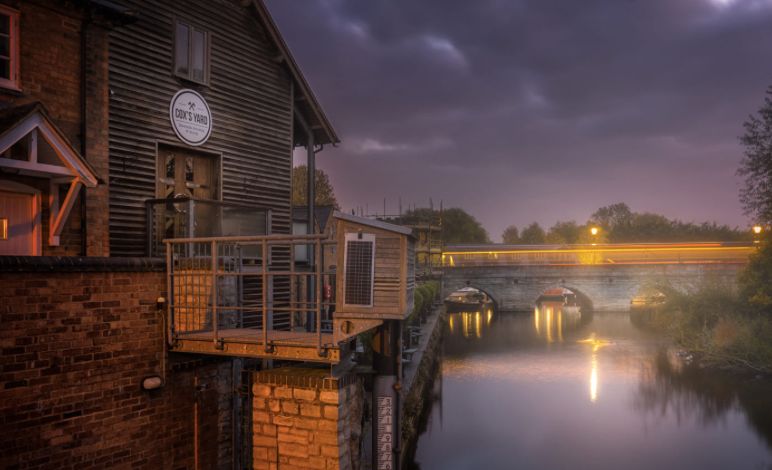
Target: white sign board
{"points": [[190, 117], [386, 434]]}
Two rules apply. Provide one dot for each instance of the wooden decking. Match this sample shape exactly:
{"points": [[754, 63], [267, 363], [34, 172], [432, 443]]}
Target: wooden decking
{"points": [[248, 342]]}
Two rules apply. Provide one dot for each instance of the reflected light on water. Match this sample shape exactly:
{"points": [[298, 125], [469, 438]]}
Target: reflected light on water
{"points": [[548, 326], [471, 323], [594, 378], [536, 320]]}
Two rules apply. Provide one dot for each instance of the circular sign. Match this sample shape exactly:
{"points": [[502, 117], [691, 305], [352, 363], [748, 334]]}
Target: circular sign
{"points": [[190, 117]]}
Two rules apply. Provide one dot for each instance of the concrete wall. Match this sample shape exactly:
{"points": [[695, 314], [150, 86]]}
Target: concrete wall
{"points": [[304, 418], [608, 287]]}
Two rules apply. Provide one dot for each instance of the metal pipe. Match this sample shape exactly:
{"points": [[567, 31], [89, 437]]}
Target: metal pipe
{"points": [[318, 307], [83, 129], [214, 290]]}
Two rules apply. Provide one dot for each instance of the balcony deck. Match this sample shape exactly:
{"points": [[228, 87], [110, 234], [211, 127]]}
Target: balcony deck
{"points": [[249, 342]]}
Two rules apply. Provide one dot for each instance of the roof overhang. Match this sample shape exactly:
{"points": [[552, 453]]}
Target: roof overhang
{"points": [[305, 101], [375, 223], [31, 123]]}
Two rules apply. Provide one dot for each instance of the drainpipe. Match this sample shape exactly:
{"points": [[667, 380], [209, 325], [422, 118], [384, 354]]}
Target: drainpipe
{"points": [[83, 89]]}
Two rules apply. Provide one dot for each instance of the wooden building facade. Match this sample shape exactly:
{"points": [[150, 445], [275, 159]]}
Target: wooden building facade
{"points": [[230, 54]]}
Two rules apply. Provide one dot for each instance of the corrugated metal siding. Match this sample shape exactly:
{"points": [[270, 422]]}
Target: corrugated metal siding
{"points": [[249, 95]]}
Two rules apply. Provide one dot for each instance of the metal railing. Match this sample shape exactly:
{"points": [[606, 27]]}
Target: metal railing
{"points": [[249, 289], [601, 254], [186, 217]]}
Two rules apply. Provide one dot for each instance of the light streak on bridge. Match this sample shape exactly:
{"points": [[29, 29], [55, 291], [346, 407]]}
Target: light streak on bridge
{"points": [[606, 254]]}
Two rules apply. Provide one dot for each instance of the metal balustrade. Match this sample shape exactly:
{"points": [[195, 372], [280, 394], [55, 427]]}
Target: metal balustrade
{"points": [[247, 296]]}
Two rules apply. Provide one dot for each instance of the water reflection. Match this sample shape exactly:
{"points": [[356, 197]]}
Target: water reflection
{"points": [[552, 318], [470, 324], [515, 384], [669, 387]]}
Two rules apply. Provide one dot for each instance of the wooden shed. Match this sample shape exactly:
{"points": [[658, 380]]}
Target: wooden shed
{"points": [[375, 269]]}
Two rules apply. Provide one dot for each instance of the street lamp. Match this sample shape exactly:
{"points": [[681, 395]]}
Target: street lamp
{"points": [[757, 229], [594, 232]]}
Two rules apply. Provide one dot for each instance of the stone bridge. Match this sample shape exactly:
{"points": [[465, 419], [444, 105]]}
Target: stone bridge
{"points": [[608, 277]]}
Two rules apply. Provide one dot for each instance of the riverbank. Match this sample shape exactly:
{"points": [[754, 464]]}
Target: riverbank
{"points": [[713, 328], [418, 380]]}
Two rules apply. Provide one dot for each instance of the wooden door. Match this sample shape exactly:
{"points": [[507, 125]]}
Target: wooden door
{"points": [[183, 173], [17, 223]]}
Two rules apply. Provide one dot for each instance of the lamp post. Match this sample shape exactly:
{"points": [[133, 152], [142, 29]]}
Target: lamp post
{"points": [[594, 232], [757, 229]]}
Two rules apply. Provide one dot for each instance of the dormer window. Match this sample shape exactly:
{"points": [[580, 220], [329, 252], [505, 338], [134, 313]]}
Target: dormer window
{"points": [[9, 48], [191, 53]]}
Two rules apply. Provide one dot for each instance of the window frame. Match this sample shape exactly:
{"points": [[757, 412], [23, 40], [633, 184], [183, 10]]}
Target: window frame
{"points": [[207, 51], [12, 83]]}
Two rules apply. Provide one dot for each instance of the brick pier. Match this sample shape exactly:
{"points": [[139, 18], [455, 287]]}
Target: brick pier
{"points": [[304, 418]]}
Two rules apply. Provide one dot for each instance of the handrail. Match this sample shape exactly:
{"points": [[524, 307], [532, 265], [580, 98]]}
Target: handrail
{"points": [[207, 279]]}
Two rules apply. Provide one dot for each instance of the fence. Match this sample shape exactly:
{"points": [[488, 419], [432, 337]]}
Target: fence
{"points": [[250, 290]]}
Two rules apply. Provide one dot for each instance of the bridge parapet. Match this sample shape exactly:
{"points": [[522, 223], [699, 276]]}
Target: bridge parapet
{"points": [[515, 277], [601, 254]]}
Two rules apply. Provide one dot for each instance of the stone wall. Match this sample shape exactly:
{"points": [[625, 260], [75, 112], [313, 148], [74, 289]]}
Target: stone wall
{"points": [[76, 340], [304, 418], [608, 287]]}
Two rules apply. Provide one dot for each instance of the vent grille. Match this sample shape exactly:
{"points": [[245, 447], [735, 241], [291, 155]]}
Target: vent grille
{"points": [[359, 271]]}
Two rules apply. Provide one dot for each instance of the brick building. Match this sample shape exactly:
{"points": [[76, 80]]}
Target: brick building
{"points": [[123, 123]]}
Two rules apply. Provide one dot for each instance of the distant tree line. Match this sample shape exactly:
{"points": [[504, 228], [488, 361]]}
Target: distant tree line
{"points": [[457, 225], [618, 224]]}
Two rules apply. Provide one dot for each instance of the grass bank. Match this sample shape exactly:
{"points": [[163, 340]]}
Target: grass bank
{"points": [[714, 324]]}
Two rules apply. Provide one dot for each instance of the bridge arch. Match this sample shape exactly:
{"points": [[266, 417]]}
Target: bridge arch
{"points": [[488, 292], [582, 300]]}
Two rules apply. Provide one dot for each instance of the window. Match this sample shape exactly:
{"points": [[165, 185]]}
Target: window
{"points": [[9, 48], [191, 53]]}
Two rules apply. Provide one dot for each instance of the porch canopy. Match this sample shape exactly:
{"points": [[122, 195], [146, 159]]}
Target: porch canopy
{"points": [[32, 145]]}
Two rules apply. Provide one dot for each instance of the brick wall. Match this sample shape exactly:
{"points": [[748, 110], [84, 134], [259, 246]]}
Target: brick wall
{"points": [[74, 349], [50, 72], [306, 419]]}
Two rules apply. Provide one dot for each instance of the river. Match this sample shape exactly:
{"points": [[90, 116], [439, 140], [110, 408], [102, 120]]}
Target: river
{"points": [[556, 390]]}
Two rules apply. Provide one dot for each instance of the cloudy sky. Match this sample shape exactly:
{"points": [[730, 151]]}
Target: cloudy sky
{"points": [[545, 110]]}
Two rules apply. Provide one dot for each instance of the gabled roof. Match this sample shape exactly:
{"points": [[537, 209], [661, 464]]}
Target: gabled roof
{"points": [[375, 223], [312, 111], [322, 215], [18, 122]]}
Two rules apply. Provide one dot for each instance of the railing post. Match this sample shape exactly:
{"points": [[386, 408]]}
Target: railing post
{"points": [[191, 219], [318, 299], [214, 288], [265, 293]]}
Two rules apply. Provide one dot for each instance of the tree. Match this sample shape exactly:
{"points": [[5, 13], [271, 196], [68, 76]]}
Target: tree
{"points": [[511, 235], [457, 225], [324, 192], [563, 233], [460, 227], [615, 220], [756, 278], [532, 235], [756, 166]]}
